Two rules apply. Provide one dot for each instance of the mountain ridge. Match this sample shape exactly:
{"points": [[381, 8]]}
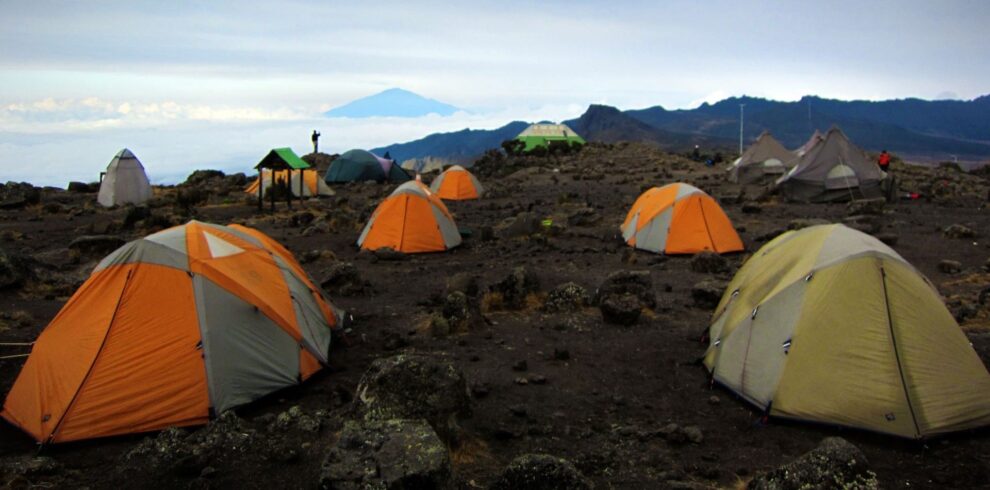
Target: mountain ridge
{"points": [[934, 130]]}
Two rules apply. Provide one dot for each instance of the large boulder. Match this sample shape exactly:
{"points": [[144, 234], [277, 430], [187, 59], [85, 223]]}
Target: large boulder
{"points": [[344, 279], [636, 283], [14, 270], [567, 296], [541, 472], [386, 454], [95, 245], [524, 224], [709, 263], [707, 294], [515, 287], [414, 386], [835, 463], [959, 231], [621, 309], [14, 195], [866, 206]]}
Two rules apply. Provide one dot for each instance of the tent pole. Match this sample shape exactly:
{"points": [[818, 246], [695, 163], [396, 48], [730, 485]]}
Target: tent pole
{"points": [[272, 194]]}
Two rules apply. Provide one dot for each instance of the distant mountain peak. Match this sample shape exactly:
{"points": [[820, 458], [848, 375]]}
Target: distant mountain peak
{"points": [[394, 102]]}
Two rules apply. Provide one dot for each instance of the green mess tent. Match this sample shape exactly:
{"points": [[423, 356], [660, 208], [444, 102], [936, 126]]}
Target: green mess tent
{"points": [[542, 134], [361, 165]]}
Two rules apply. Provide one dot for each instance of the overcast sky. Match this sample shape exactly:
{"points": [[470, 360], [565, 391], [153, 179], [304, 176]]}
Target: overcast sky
{"points": [[112, 69]]}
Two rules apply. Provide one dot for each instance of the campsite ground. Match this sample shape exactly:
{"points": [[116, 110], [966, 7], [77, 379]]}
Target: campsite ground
{"points": [[595, 394]]}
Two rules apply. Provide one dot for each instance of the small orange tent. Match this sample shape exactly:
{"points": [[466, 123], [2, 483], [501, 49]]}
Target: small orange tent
{"points": [[312, 183], [679, 219], [457, 184], [169, 329], [412, 220]]}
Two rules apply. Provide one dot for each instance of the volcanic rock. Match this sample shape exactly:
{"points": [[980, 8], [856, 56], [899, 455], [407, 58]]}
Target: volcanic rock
{"points": [[567, 296], [414, 386], [386, 454], [947, 266], [621, 309], [515, 287], [709, 263], [637, 283], [866, 206], [958, 231], [835, 463], [706, 294], [95, 245], [541, 472]]}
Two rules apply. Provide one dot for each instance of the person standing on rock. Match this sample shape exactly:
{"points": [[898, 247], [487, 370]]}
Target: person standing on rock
{"points": [[316, 141], [884, 160]]}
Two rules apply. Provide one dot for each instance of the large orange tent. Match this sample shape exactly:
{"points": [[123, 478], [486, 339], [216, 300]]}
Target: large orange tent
{"points": [[312, 184], [412, 220], [679, 219], [169, 329], [457, 184]]}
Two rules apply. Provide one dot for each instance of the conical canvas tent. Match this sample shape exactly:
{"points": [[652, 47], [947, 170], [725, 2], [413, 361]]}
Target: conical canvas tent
{"points": [[361, 165], [828, 324], [456, 184], [311, 183], [411, 220], [125, 181], [170, 329], [812, 141], [765, 159], [679, 219], [833, 170], [542, 134]]}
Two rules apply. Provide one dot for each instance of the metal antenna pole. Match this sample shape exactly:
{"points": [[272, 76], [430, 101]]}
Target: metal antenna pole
{"points": [[741, 127]]}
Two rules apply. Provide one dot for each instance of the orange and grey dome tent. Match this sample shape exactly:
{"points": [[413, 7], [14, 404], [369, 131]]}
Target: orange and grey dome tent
{"points": [[457, 184], [311, 183], [169, 330], [679, 219], [412, 220]]}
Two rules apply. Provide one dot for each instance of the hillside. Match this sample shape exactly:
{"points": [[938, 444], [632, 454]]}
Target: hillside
{"points": [[456, 147]]}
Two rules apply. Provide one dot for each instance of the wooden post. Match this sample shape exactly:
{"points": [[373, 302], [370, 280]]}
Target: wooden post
{"points": [[261, 189], [272, 189]]}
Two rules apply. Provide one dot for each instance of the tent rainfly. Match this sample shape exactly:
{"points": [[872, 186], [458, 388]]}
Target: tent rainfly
{"points": [[411, 220], [170, 330], [833, 170], [829, 325], [457, 184], [541, 134], [361, 165], [765, 158], [124, 182], [679, 219]]}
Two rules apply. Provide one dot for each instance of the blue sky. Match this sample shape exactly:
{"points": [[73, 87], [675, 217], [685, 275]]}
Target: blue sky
{"points": [[214, 84]]}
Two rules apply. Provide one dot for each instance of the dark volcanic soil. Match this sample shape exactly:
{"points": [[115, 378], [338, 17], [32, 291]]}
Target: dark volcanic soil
{"points": [[608, 389]]}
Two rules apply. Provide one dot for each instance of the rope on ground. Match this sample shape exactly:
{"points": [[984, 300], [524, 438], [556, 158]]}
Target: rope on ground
{"points": [[16, 344], [14, 356]]}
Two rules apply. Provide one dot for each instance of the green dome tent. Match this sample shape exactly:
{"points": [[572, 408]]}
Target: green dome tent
{"points": [[542, 134], [361, 165]]}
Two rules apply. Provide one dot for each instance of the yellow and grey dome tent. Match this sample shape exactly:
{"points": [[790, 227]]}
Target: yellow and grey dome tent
{"points": [[828, 324]]}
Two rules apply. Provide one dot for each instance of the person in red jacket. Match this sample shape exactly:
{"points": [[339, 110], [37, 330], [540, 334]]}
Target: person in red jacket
{"points": [[884, 160]]}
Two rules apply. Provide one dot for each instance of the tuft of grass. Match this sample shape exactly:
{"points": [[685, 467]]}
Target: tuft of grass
{"points": [[470, 450], [492, 301]]}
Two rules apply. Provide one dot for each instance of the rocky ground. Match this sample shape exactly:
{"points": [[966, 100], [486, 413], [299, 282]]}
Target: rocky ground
{"points": [[493, 365]]}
